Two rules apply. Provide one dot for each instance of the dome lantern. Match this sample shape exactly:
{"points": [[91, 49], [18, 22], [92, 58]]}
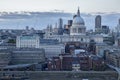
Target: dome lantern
{"points": [[78, 12]]}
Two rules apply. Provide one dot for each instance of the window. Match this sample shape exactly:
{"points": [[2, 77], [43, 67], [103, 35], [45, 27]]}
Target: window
{"points": [[74, 30], [81, 39], [79, 30]]}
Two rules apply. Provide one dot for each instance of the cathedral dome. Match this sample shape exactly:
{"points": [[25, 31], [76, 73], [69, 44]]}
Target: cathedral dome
{"points": [[78, 26], [77, 19]]}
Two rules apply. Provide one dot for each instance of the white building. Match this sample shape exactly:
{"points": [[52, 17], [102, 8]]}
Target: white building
{"points": [[33, 41], [27, 41], [78, 25], [77, 33], [68, 38]]}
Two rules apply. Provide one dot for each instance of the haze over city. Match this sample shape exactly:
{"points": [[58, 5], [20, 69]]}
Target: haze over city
{"points": [[21, 16]]}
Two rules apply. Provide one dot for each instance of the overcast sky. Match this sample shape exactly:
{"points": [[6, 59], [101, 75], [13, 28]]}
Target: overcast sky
{"points": [[65, 5]]}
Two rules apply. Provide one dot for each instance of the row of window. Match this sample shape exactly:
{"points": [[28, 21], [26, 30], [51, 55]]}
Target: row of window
{"points": [[79, 30], [28, 46]]}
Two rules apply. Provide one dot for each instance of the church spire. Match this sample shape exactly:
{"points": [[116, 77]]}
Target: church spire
{"points": [[78, 12]]}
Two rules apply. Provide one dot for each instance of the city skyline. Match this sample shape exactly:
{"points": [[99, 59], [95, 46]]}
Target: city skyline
{"points": [[60, 5]]}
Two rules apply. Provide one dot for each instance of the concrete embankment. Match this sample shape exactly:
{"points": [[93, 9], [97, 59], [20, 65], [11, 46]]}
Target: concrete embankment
{"points": [[63, 75]]}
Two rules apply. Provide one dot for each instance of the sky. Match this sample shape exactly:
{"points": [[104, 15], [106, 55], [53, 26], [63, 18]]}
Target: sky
{"points": [[62, 5]]}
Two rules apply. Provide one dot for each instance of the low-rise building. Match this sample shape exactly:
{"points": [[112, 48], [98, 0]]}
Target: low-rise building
{"points": [[27, 41], [113, 58], [53, 50], [99, 49], [117, 41], [81, 61], [98, 63], [5, 58], [27, 56], [7, 46]]}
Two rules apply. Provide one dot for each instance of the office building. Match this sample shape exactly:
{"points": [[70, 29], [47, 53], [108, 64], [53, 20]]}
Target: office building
{"points": [[5, 57], [60, 26], [105, 29], [98, 24], [118, 28], [70, 22], [53, 49], [27, 56]]}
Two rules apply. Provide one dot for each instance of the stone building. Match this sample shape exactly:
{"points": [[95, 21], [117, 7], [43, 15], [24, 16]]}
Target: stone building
{"points": [[27, 41], [78, 25]]}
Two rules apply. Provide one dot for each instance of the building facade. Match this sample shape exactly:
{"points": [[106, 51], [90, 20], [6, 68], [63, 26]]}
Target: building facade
{"points": [[27, 56], [5, 58], [53, 50], [98, 24], [113, 58], [78, 25], [60, 26], [27, 41], [77, 32]]}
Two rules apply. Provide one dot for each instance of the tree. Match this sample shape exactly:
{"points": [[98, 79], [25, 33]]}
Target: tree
{"points": [[11, 41]]}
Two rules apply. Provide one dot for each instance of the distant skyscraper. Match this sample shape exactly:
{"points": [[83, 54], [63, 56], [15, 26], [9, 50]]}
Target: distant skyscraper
{"points": [[118, 27], [60, 26], [98, 23], [60, 23], [70, 22], [119, 21], [27, 28]]}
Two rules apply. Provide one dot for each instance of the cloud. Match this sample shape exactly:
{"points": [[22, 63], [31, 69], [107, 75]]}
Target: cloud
{"points": [[40, 20]]}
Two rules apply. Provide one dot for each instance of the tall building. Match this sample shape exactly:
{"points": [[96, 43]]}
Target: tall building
{"points": [[77, 32], [98, 24], [118, 28], [60, 26], [27, 28], [67, 27], [78, 25], [70, 22], [119, 21]]}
